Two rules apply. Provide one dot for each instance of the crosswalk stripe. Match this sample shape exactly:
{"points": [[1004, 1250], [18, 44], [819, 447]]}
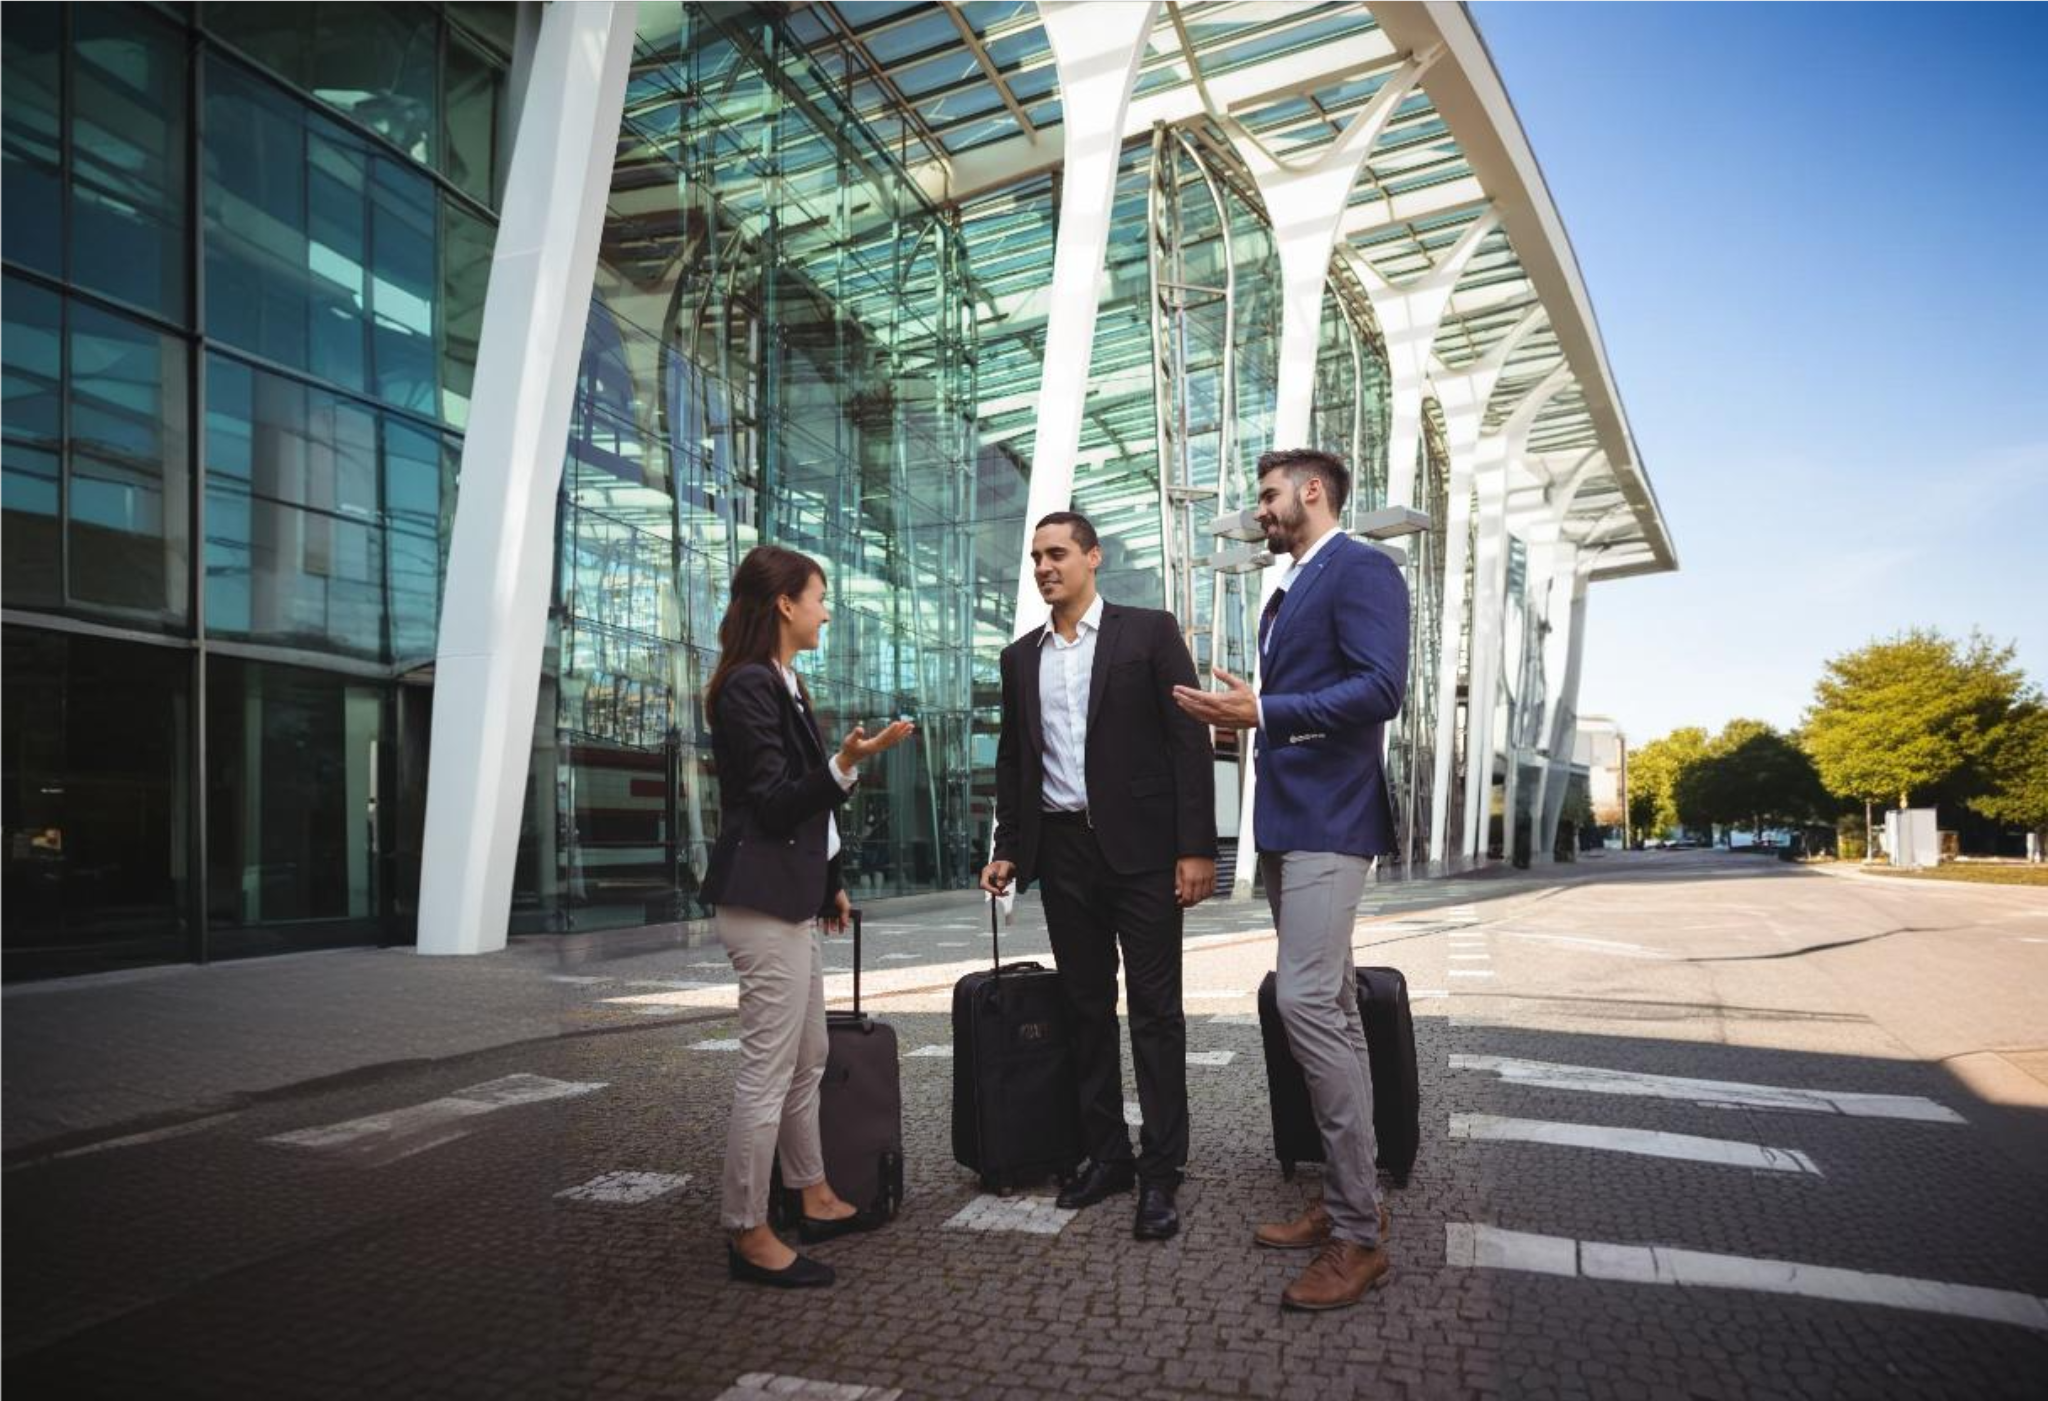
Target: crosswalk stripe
{"points": [[402, 1132], [1717, 1094], [1641, 1142], [1473, 1246]]}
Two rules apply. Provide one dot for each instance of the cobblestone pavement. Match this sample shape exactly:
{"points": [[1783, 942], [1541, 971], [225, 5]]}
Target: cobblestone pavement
{"points": [[1694, 1125]]}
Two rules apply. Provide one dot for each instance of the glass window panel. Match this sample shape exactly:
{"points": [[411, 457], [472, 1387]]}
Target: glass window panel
{"points": [[95, 789], [292, 811], [475, 97], [465, 275], [405, 270], [337, 259], [496, 23], [256, 246], [127, 237], [412, 500], [377, 63], [31, 225], [32, 350], [279, 36], [129, 480]]}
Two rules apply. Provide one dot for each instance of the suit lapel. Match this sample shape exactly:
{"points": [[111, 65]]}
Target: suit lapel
{"points": [[1027, 686], [1303, 586], [1105, 654]]}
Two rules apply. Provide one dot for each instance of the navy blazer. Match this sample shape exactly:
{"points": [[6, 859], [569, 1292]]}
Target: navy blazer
{"points": [[775, 797], [1334, 670]]}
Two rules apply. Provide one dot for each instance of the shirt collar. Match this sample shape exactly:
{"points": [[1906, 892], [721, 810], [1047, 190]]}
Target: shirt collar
{"points": [[1091, 621], [788, 676], [1301, 560]]}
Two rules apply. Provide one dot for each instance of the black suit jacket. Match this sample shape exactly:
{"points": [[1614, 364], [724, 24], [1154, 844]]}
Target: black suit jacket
{"points": [[1151, 772], [775, 793]]}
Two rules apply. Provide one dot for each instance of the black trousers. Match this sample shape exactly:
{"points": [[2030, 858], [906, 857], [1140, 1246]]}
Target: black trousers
{"points": [[1089, 910]]}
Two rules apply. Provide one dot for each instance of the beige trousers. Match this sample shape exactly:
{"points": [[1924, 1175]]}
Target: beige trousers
{"points": [[782, 1058]]}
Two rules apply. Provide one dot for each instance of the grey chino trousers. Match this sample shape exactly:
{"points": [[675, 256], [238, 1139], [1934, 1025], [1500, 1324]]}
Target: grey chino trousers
{"points": [[782, 1059], [1314, 896]]}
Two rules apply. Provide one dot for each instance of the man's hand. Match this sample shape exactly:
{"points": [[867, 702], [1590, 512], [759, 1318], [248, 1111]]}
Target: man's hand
{"points": [[1194, 880], [858, 746], [842, 914], [1234, 709], [996, 877]]}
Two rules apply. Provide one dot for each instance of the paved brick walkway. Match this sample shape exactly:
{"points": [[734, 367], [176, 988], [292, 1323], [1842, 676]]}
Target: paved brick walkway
{"points": [[535, 1214]]}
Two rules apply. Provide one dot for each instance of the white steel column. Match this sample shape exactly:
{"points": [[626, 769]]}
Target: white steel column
{"points": [[1495, 454], [1564, 715], [1306, 204], [494, 613], [1463, 397], [1097, 50]]}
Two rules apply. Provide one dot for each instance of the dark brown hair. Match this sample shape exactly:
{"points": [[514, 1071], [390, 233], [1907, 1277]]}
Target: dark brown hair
{"points": [[1302, 463], [1080, 525], [751, 627]]}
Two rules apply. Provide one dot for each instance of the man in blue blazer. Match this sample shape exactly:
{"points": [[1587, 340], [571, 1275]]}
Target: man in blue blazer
{"points": [[1333, 666]]}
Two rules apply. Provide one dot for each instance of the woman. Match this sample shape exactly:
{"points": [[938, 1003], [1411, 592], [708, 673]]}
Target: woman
{"points": [[773, 875]]}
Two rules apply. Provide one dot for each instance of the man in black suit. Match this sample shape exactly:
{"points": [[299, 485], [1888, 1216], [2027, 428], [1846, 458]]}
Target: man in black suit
{"points": [[1105, 795]]}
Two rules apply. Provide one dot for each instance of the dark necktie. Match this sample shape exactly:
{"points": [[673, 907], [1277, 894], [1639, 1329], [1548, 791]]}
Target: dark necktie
{"points": [[1272, 611]]}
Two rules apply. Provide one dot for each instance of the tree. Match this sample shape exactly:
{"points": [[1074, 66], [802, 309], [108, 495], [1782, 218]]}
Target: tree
{"points": [[1908, 714], [1653, 772], [1750, 774], [2016, 762]]}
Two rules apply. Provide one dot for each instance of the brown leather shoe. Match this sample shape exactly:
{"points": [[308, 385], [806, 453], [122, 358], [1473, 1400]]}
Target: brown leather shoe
{"points": [[1310, 1229], [1339, 1275]]}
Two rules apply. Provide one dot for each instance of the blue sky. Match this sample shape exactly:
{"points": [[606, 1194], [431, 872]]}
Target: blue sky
{"points": [[1815, 239]]}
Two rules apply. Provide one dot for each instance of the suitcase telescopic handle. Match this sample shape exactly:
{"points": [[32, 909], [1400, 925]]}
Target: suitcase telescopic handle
{"points": [[995, 936], [856, 962]]}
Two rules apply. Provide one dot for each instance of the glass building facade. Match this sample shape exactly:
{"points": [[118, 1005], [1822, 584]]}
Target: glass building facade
{"points": [[246, 254]]}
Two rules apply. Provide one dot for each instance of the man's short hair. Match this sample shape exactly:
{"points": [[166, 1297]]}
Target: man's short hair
{"points": [[1302, 463], [1083, 528]]}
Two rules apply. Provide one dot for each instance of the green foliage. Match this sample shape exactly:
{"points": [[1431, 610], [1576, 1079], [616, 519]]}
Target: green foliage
{"points": [[1750, 775], [1908, 714], [1653, 772], [2016, 766]]}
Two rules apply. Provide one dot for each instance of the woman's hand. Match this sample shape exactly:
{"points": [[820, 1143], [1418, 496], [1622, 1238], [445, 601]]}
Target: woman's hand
{"points": [[842, 914], [858, 746]]}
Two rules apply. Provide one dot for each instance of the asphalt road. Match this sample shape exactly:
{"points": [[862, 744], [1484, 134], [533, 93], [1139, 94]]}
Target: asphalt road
{"points": [[1694, 1125]]}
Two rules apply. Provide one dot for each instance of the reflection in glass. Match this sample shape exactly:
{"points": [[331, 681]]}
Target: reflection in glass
{"points": [[127, 128]]}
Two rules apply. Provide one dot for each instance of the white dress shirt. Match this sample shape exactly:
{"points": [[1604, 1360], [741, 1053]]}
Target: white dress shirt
{"points": [[844, 777], [1287, 582], [1064, 670]]}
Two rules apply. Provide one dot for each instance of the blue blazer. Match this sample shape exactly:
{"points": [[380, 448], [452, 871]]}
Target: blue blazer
{"points": [[1335, 670]]}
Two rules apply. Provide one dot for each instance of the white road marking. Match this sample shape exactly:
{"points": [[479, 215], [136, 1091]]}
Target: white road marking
{"points": [[771, 1386], [625, 1188], [1234, 1019], [133, 1140], [1716, 1094], [1642, 1142], [1215, 994], [1471, 958], [1037, 1216], [1489, 1247], [723, 963], [1211, 1057], [399, 1133], [932, 1053], [668, 984], [571, 978], [898, 956], [722, 1044], [1471, 972], [950, 944], [1421, 994], [678, 995], [1606, 946]]}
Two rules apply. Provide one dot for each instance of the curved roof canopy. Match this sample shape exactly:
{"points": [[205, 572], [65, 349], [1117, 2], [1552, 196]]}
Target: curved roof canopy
{"points": [[968, 98]]}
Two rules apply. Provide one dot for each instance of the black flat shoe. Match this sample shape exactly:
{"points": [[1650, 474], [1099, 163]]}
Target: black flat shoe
{"points": [[1157, 1219], [800, 1273], [1096, 1182], [812, 1231]]}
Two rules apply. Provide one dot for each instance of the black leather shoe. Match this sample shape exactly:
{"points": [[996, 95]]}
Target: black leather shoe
{"points": [[813, 1231], [1157, 1219], [800, 1273], [1095, 1182]]}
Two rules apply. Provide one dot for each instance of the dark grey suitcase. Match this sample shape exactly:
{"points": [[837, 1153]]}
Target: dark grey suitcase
{"points": [[1396, 1087], [1016, 1103], [860, 1111]]}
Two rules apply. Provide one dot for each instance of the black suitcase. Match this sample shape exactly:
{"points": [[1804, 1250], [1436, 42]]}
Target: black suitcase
{"points": [[1016, 1103], [860, 1112], [1396, 1088]]}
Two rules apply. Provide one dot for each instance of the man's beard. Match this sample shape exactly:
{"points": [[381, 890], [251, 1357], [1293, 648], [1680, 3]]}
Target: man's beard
{"points": [[1285, 536]]}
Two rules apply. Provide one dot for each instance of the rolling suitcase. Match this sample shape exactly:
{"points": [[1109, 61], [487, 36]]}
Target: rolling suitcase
{"points": [[1396, 1090], [1016, 1104], [860, 1112]]}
